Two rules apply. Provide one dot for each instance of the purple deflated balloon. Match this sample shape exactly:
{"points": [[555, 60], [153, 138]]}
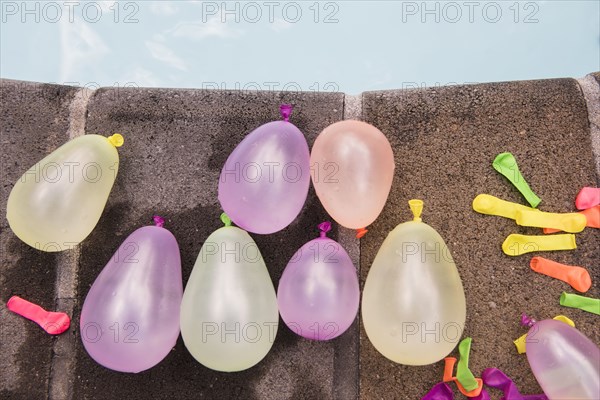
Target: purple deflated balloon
{"points": [[130, 317], [264, 182], [564, 361], [318, 293]]}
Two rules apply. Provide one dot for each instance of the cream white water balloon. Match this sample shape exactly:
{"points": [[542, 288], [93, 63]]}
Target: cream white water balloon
{"points": [[57, 202], [229, 313], [413, 305]]}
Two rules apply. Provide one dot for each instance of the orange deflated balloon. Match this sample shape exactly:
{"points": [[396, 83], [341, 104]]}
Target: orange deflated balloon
{"points": [[352, 168]]}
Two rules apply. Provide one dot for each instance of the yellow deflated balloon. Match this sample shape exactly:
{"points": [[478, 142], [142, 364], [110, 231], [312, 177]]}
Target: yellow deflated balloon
{"points": [[413, 305], [57, 203], [229, 313]]}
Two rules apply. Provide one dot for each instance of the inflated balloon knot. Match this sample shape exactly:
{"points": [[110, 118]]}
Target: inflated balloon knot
{"points": [[416, 206], [158, 221], [225, 219], [286, 111], [526, 321], [116, 140], [324, 227], [360, 232]]}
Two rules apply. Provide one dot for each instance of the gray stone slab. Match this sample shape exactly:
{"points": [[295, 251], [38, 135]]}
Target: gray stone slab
{"points": [[34, 120], [590, 86], [176, 142], [444, 141]]}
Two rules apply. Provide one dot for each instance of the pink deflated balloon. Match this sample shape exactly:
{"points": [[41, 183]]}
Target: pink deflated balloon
{"points": [[318, 293], [264, 182], [352, 168], [130, 317], [564, 361]]}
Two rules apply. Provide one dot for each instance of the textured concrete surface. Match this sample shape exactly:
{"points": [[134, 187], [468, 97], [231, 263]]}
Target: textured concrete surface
{"points": [[34, 120], [590, 86], [444, 141], [176, 141]]}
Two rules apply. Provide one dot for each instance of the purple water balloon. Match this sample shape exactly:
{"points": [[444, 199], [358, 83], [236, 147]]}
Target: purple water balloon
{"points": [[495, 378], [264, 182], [440, 391], [564, 361], [130, 317], [318, 293]]}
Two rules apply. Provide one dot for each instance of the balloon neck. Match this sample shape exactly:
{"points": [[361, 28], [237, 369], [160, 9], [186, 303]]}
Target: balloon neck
{"points": [[116, 140], [324, 227], [526, 321], [416, 206], [286, 111], [225, 219], [360, 232], [159, 221]]}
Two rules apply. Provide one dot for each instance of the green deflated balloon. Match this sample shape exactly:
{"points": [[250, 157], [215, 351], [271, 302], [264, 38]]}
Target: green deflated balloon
{"points": [[229, 314], [413, 305], [57, 203]]}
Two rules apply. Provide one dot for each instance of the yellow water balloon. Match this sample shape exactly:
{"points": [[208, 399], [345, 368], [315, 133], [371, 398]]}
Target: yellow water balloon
{"points": [[229, 314], [57, 202], [413, 305]]}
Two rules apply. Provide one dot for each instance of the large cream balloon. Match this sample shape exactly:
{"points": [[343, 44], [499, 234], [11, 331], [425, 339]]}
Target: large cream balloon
{"points": [[57, 203], [352, 168], [229, 313], [413, 305]]}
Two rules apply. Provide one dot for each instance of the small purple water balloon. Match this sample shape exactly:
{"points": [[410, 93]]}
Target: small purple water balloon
{"points": [[318, 293], [264, 182]]}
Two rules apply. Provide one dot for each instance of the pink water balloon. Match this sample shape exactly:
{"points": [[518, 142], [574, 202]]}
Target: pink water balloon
{"points": [[264, 182], [564, 361], [318, 293], [352, 168], [130, 317]]}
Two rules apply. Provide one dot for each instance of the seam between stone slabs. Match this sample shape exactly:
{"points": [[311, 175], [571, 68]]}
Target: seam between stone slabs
{"points": [[62, 367], [346, 378], [591, 93]]}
